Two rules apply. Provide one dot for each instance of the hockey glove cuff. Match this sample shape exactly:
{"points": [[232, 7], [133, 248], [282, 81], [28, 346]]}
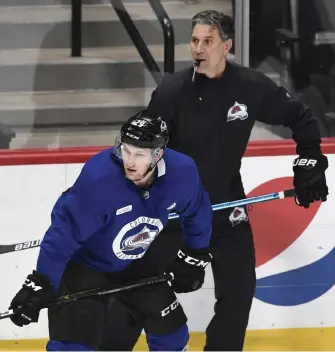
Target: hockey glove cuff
{"points": [[310, 179], [189, 269], [35, 294]]}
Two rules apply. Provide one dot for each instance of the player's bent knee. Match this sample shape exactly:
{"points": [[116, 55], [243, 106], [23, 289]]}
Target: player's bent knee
{"points": [[165, 313], [174, 341], [54, 345]]}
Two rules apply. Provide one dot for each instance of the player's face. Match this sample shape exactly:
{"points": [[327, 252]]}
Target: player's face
{"points": [[207, 45], [136, 161]]}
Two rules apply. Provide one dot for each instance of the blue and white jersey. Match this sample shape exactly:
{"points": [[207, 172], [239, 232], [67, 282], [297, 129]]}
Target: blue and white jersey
{"points": [[105, 221]]}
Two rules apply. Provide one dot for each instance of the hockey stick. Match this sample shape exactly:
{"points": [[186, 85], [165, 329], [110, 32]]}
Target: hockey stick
{"points": [[99, 292], [236, 203], [246, 201], [7, 248]]}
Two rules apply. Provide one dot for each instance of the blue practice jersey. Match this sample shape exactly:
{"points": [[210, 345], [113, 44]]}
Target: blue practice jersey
{"points": [[105, 221]]}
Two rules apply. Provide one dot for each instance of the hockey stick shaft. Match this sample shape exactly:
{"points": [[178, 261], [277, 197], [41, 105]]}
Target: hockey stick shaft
{"points": [[97, 292], [7, 248], [100, 292], [236, 203], [246, 201]]}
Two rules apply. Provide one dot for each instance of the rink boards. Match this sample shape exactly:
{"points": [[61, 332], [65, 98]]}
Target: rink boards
{"points": [[293, 308]]}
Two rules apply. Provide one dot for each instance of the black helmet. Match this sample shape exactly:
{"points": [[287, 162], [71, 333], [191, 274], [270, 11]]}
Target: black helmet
{"points": [[145, 131]]}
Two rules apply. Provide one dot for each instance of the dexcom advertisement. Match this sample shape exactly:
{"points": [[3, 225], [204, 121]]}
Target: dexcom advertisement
{"points": [[294, 247]]}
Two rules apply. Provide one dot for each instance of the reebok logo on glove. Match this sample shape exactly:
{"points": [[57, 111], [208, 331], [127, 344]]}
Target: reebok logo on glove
{"points": [[192, 261], [304, 162]]}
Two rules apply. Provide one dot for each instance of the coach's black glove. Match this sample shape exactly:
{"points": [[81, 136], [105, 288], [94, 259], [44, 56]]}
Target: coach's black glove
{"points": [[189, 270], [35, 294], [310, 179]]}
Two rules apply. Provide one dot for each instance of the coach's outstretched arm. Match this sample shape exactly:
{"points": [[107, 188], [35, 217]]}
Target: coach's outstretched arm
{"points": [[195, 213], [280, 108]]}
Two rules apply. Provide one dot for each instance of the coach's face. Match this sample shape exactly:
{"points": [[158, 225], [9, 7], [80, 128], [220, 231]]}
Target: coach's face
{"points": [[207, 45]]}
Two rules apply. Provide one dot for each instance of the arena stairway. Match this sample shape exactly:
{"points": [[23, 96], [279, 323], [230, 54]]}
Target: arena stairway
{"points": [[51, 99]]}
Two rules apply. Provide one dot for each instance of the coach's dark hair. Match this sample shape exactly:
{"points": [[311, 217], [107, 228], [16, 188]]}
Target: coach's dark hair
{"points": [[216, 19]]}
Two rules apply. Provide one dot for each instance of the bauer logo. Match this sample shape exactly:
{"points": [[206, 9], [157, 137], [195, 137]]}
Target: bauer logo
{"points": [[134, 238], [27, 245]]}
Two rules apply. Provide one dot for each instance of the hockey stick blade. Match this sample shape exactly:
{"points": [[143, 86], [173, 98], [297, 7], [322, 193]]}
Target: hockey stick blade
{"points": [[246, 201], [100, 292]]}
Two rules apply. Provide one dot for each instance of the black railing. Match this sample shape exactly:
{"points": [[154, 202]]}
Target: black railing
{"points": [[76, 28], [142, 48], [168, 33], [137, 40]]}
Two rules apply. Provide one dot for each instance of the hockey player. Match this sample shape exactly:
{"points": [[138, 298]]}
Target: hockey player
{"points": [[210, 110], [110, 216]]}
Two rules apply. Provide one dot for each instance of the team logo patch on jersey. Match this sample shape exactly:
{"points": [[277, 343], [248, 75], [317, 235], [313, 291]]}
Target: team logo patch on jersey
{"points": [[237, 111], [141, 239], [237, 216], [135, 238]]}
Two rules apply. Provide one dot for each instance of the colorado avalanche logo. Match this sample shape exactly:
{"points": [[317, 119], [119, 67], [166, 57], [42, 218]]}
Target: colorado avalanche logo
{"points": [[237, 216], [237, 111], [135, 237], [141, 239]]}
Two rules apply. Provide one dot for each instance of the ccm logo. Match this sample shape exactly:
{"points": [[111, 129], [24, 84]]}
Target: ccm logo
{"points": [[304, 162], [32, 285], [170, 308], [191, 260]]}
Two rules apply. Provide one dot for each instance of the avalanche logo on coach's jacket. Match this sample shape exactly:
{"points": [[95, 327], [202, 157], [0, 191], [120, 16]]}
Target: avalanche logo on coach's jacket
{"points": [[237, 111], [134, 238], [237, 216]]}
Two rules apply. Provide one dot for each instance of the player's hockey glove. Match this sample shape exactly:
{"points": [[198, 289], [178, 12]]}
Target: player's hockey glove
{"points": [[35, 294], [189, 269], [310, 179]]}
